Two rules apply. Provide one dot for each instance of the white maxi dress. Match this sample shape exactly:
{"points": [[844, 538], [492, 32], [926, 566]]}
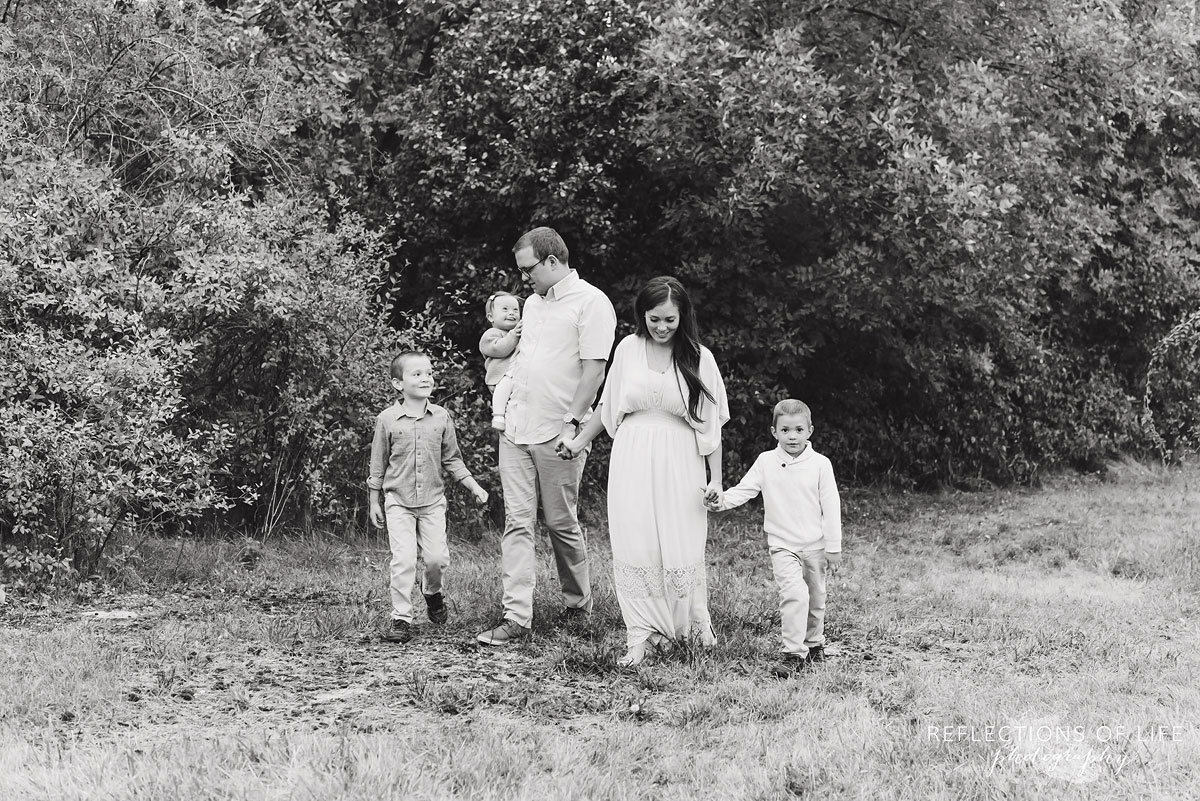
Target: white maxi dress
{"points": [[656, 478]]}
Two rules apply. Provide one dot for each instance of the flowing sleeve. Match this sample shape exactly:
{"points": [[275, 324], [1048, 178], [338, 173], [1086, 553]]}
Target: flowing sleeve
{"points": [[612, 399], [715, 413]]}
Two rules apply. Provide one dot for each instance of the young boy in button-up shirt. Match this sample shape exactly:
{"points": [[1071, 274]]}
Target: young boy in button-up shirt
{"points": [[803, 523], [414, 442]]}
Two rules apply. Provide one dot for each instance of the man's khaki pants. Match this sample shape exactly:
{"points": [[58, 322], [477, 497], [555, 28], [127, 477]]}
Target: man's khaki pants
{"points": [[527, 472]]}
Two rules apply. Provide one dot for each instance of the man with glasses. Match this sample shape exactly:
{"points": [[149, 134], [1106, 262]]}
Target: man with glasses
{"points": [[568, 333]]}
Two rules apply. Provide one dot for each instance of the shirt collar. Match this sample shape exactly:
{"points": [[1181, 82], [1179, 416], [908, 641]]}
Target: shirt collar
{"points": [[565, 285], [402, 412]]}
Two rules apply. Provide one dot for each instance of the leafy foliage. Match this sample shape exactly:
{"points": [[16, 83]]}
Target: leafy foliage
{"points": [[957, 229], [90, 399], [181, 340]]}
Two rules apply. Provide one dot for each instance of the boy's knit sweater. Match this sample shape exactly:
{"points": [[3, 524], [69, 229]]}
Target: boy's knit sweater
{"points": [[803, 510]]}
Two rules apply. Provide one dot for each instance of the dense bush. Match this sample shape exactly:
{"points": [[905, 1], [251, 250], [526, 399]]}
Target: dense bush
{"points": [[91, 440], [187, 331], [957, 229]]}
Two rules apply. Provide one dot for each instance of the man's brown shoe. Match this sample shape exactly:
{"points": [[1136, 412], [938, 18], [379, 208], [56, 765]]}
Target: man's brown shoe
{"points": [[507, 632]]}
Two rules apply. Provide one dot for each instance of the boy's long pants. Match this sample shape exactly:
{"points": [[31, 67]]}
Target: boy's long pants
{"points": [[413, 531], [800, 578]]}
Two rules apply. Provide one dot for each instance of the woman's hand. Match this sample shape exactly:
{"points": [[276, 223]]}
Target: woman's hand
{"points": [[713, 496]]}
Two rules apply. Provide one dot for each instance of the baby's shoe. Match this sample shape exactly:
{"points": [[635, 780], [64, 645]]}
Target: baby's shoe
{"points": [[498, 422]]}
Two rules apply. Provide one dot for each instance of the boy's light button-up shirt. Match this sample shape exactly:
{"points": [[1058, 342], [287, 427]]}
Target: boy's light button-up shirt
{"points": [[574, 322], [802, 509], [408, 454]]}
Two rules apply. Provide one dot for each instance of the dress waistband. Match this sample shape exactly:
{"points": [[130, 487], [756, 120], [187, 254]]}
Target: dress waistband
{"points": [[655, 417]]}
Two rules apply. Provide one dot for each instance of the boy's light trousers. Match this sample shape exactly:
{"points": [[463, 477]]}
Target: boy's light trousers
{"points": [[413, 531], [800, 578]]}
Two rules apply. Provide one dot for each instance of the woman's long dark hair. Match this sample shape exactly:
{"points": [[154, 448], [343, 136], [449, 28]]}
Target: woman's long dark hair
{"points": [[685, 345]]}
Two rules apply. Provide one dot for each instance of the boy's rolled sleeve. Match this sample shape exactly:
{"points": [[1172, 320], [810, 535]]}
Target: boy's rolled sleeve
{"points": [[452, 461], [380, 453], [831, 510]]}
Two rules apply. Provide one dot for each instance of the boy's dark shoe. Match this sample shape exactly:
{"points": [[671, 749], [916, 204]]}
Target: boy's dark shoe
{"points": [[508, 631], [436, 604], [400, 631], [789, 666], [816, 654]]}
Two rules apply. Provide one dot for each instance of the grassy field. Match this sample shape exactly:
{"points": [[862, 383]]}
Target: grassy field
{"points": [[1007, 645]]}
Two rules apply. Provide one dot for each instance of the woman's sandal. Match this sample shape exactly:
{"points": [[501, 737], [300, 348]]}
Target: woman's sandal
{"points": [[653, 646], [633, 657]]}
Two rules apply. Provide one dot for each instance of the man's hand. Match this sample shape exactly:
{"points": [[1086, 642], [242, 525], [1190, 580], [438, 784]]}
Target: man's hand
{"points": [[833, 561], [568, 448], [376, 514], [481, 495]]}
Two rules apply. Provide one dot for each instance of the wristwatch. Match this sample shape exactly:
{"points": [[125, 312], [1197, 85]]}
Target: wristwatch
{"points": [[572, 419]]}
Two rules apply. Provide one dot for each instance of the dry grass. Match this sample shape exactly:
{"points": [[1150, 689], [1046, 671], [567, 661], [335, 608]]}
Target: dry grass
{"points": [[1071, 608]]}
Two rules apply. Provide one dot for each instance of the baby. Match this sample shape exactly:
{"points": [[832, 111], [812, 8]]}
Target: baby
{"points": [[499, 347]]}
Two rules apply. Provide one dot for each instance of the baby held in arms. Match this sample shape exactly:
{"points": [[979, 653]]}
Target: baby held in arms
{"points": [[499, 345]]}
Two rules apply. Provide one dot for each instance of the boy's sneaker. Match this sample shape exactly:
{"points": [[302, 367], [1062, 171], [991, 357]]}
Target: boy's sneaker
{"points": [[789, 666], [498, 422], [816, 654], [400, 631], [508, 631], [436, 604]]}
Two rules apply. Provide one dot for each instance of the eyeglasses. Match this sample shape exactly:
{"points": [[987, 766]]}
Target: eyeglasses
{"points": [[525, 271]]}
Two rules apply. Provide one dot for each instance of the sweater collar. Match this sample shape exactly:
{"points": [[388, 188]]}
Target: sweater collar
{"points": [[786, 458]]}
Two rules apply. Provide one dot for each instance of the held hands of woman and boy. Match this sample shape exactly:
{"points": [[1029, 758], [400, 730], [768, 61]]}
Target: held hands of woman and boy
{"points": [[714, 501]]}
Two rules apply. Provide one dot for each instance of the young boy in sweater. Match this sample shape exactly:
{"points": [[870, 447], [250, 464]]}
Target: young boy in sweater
{"points": [[803, 523]]}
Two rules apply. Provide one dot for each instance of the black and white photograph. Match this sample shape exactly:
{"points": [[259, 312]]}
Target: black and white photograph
{"points": [[645, 400]]}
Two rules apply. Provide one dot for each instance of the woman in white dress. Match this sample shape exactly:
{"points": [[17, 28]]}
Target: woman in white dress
{"points": [[663, 404]]}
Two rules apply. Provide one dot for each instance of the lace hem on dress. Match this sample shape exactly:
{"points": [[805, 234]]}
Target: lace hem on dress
{"points": [[655, 581]]}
